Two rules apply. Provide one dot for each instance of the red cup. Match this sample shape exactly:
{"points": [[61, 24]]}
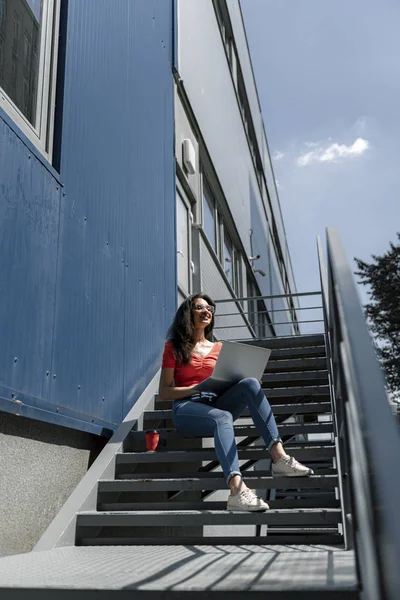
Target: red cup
{"points": [[152, 438]]}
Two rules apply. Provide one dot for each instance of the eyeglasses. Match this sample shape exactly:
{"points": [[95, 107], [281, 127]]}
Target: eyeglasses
{"points": [[200, 307]]}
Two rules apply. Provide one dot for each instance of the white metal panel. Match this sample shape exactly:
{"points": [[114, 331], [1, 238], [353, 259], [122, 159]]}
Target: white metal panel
{"points": [[239, 33], [235, 14], [208, 83]]}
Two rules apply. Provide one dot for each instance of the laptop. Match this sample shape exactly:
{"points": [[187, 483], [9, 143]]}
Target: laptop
{"points": [[235, 362]]}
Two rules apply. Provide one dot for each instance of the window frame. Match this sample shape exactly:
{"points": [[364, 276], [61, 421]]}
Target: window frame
{"points": [[41, 133]]}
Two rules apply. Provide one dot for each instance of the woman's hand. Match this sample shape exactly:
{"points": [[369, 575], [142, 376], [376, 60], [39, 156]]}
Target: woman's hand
{"points": [[168, 392]]}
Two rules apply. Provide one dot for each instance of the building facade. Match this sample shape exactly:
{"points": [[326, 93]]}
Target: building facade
{"points": [[134, 170], [238, 245]]}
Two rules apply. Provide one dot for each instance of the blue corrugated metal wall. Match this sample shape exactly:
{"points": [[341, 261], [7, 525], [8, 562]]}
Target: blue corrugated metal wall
{"points": [[88, 271]]}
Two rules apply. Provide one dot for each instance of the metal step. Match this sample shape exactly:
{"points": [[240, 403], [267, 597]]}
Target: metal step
{"points": [[205, 454], [296, 503], [281, 396], [254, 481], [307, 378], [320, 392], [245, 431], [291, 353], [297, 341], [327, 536], [205, 474], [194, 518], [296, 364], [280, 409]]}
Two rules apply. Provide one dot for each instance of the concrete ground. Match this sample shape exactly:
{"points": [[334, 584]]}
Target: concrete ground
{"points": [[182, 568]]}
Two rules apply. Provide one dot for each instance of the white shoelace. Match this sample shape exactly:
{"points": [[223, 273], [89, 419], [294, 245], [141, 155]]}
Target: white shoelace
{"points": [[290, 461], [248, 495]]}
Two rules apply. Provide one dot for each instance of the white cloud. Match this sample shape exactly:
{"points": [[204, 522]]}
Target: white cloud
{"points": [[278, 155], [332, 152]]}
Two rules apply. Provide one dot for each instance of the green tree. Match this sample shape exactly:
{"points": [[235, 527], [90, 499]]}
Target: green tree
{"points": [[382, 276]]}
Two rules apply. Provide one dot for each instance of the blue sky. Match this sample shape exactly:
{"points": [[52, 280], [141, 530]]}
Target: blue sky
{"points": [[328, 78]]}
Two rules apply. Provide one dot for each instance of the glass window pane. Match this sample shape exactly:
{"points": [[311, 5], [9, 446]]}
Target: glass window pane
{"points": [[182, 242], [252, 306], [238, 274], [228, 263], [2, 11], [209, 215], [20, 32]]}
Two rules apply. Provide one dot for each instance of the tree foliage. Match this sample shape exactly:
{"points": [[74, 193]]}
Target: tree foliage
{"points": [[382, 276]]}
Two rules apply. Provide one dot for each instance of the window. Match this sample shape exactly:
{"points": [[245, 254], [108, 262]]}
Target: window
{"points": [[183, 244], [2, 12], [217, 233], [28, 87], [257, 310], [220, 18], [1, 55], [16, 32], [237, 284], [228, 259], [229, 48], [209, 216], [27, 51], [14, 74], [26, 94]]}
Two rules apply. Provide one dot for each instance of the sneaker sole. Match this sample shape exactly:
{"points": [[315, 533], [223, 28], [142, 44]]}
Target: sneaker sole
{"points": [[249, 509], [292, 474]]}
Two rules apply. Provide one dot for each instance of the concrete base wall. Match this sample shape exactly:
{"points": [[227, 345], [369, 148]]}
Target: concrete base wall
{"points": [[40, 465]]}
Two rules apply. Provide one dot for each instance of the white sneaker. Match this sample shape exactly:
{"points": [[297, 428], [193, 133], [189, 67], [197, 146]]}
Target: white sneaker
{"points": [[288, 466], [246, 500]]}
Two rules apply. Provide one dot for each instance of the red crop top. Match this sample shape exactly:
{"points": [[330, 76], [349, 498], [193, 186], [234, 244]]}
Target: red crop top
{"points": [[197, 370]]}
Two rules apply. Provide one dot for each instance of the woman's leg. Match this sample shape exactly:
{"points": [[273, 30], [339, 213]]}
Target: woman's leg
{"points": [[197, 419], [248, 393]]}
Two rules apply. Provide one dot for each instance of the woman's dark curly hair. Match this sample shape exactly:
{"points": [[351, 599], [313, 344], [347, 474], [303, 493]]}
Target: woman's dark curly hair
{"points": [[181, 331]]}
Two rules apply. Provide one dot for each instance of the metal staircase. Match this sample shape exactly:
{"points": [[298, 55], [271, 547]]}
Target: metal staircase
{"points": [[156, 522], [166, 497]]}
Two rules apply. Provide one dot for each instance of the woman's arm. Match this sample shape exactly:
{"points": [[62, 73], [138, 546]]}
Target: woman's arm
{"points": [[168, 392]]}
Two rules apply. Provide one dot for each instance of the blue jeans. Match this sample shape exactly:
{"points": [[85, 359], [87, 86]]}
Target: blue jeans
{"points": [[198, 419]]}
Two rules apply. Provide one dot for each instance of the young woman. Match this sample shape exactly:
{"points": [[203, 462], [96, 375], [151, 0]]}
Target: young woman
{"points": [[189, 358]]}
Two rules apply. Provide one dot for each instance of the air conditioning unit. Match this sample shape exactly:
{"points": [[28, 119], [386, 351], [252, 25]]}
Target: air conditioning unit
{"points": [[189, 156]]}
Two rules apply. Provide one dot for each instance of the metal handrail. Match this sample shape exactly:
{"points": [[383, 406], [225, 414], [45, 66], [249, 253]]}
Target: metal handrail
{"points": [[255, 328], [267, 312], [246, 298], [339, 431], [279, 323], [371, 450]]}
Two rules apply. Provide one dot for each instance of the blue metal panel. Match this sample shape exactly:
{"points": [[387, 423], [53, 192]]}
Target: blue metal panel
{"points": [[95, 318], [29, 215], [116, 285]]}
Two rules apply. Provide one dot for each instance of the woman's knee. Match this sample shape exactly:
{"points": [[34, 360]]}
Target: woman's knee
{"points": [[223, 419], [250, 385]]}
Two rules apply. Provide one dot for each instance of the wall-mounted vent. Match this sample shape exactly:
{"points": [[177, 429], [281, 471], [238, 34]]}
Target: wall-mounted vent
{"points": [[189, 156]]}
